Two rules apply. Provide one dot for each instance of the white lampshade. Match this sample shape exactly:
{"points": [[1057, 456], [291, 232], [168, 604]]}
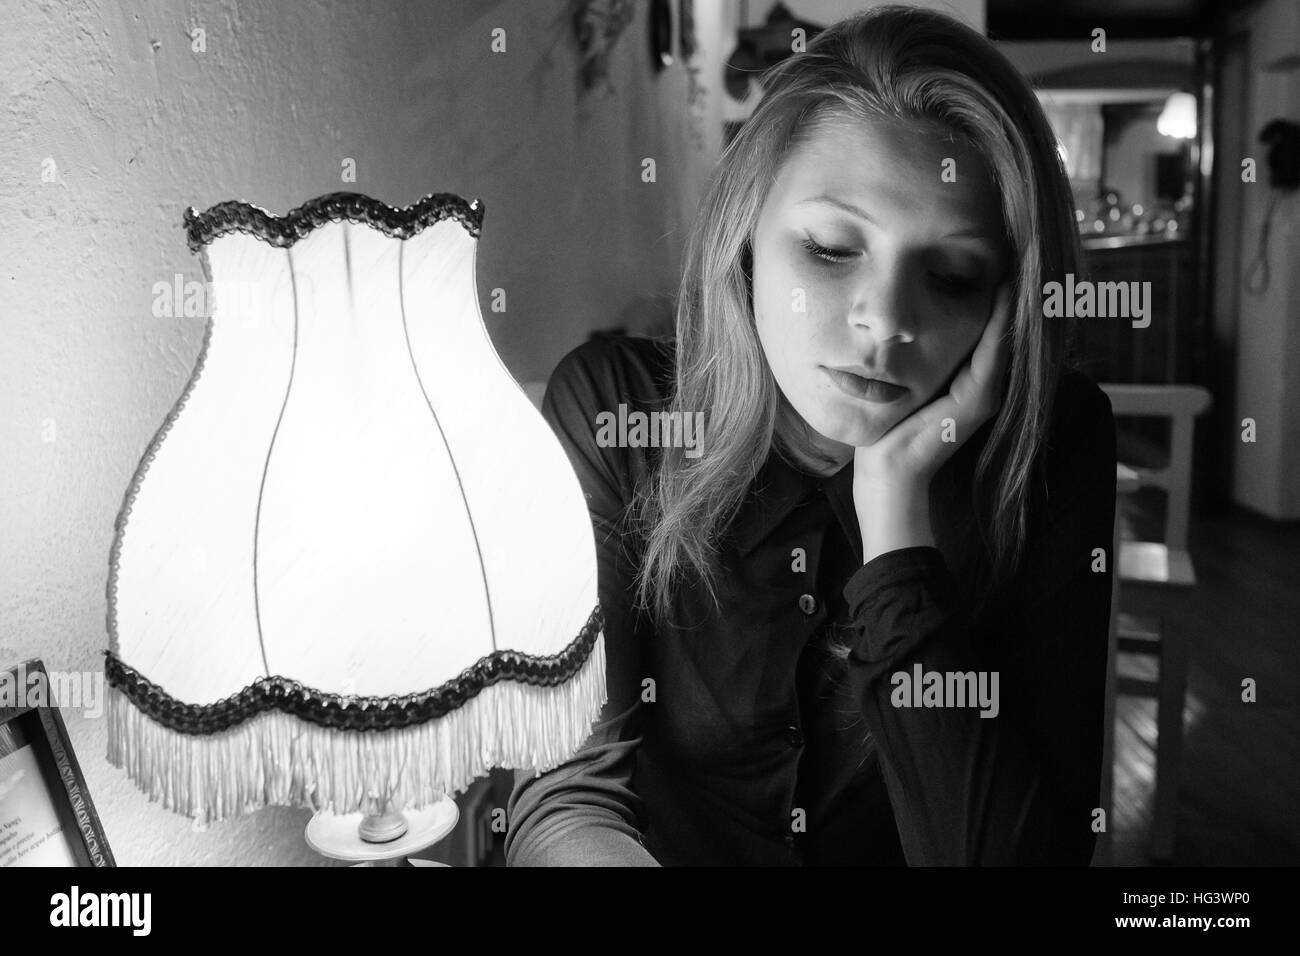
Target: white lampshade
{"points": [[354, 569]]}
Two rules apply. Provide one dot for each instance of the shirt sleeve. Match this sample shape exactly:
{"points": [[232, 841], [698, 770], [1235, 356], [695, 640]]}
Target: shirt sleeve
{"points": [[584, 812], [1020, 787]]}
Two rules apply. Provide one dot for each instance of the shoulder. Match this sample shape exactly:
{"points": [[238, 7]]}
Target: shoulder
{"points": [[1080, 403], [1080, 451], [619, 365], [608, 370], [592, 381], [1082, 421]]}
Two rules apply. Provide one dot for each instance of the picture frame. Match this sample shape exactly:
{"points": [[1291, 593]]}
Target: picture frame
{"points": [[47, 817]]}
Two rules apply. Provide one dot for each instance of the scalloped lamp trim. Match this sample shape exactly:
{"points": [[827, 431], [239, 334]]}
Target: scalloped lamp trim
{"points": [[350, 712], [202, 228]]}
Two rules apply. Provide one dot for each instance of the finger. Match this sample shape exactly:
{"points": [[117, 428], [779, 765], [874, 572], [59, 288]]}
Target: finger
{"points": [[977, 387], [974, 394], [992, 353]]}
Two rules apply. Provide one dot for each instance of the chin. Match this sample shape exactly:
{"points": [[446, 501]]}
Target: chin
{"points": [[857, 430]]}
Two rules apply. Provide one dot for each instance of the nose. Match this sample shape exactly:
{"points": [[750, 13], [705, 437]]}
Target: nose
{"points": [[882, 304]]}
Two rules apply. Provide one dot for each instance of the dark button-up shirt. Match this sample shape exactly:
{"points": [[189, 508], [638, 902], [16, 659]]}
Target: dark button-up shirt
{"points": [[736, 737]]}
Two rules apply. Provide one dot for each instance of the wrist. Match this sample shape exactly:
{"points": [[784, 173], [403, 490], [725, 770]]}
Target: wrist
{"points": [[890, 519]]}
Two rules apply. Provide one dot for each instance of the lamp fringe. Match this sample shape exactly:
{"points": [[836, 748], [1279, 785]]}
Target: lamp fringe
{"points": [[278, 759]]}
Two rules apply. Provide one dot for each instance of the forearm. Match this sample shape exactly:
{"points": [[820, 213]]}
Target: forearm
{"points": [[573, 834], [583, 812], [967, 789]]}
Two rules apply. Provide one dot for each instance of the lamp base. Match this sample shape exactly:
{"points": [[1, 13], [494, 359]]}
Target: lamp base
{"points": [[382, 827], [338, 836]]}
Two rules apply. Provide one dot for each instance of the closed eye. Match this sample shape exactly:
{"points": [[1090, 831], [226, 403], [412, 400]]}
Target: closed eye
{"points": [[951, 285], [823, 252]]}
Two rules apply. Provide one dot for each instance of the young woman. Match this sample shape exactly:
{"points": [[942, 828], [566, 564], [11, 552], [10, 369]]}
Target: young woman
{"points": [[864, 620]]}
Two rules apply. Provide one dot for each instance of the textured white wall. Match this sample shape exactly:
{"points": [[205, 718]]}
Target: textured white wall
{"points": [[139, 126], [1268, 325]]}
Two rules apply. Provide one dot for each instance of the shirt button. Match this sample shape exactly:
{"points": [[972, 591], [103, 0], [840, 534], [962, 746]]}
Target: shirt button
{"points": [[808, 604], [794, 736]]}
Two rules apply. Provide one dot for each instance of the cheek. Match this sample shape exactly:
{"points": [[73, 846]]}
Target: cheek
{"points": [[785, 332], [951, 350], [803, 301]]}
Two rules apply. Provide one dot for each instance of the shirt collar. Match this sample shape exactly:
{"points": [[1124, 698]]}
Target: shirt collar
{"points": [[779, 488]]}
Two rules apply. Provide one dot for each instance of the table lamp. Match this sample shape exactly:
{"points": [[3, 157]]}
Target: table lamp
{"points": [[354, 569]]}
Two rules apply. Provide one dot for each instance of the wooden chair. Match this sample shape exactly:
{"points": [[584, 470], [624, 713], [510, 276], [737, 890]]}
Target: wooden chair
{"points": [[1126, 483], [1147, 570]]}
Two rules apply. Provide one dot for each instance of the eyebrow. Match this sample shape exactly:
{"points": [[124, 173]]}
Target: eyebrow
{"points": [[970, 232], [839, 204]]}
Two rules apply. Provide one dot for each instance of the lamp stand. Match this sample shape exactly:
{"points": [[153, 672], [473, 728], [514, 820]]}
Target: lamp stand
{"points": [[343, 836], [382, 827]]}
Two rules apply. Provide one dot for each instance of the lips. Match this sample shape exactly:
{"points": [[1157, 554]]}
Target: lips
{"points": [[863, 388]]}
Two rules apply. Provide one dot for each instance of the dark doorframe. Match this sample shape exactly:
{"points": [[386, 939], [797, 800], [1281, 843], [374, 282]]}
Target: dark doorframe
{"points": [[1215, 362]]}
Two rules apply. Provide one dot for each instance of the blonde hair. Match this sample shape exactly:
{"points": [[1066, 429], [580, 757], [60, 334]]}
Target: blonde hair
{"points": [[896, 63]]}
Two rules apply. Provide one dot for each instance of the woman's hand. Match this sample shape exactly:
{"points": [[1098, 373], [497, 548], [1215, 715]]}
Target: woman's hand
{"points": [[891, 478]]}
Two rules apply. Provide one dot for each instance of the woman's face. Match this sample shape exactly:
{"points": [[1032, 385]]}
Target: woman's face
{"points": [[865, 314]]}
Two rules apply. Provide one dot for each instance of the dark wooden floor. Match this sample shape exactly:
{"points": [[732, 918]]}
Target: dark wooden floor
{"points": [[1239, 798]]}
